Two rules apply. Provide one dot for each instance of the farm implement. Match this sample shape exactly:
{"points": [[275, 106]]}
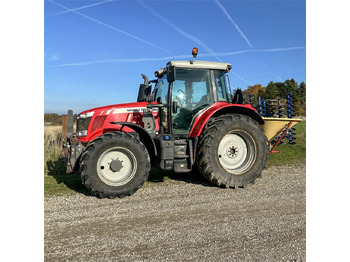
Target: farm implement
{"points": [[185, 119]]}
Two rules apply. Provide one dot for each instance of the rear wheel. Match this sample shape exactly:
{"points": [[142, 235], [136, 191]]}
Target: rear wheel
{"points": [[232, 151], [115, 165]]}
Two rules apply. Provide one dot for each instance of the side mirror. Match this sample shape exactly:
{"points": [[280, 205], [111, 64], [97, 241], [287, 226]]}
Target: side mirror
{"points": [[171, 74], [174, 107], [142, 93], [144, 90]]}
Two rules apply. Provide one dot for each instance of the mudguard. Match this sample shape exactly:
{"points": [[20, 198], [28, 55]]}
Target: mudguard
{"points": [[221, 108]]}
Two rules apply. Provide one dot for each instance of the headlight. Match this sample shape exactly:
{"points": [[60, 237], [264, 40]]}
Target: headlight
{"points": [[82, 133], [83, 122], [90, 114]]}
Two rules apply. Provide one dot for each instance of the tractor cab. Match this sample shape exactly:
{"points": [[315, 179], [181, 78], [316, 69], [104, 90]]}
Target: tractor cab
{"points": [[184, 89]]}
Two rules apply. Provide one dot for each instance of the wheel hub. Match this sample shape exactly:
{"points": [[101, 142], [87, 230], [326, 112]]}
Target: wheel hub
{"points": [[116, 165], [232, 151]]}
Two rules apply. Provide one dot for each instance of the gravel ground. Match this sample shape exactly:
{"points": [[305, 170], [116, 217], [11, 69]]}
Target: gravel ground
{"points": [[184, 221]]}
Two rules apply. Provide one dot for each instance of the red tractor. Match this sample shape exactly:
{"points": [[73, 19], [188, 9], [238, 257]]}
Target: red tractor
{"points": [[187, 121]]}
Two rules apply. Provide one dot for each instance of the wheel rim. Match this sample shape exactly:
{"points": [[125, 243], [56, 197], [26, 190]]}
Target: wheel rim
{"points": [[237, 152], [116, 166]]}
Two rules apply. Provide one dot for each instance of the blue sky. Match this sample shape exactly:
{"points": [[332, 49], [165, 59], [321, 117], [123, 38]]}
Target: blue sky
{"points": [[95, 51]]}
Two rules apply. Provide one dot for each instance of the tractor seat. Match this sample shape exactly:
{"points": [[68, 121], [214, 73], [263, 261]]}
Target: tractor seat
{"points": [[238, 97]]}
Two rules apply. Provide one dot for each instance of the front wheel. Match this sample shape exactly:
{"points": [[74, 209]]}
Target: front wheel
{"points": [[232, 151], [115, 165]]}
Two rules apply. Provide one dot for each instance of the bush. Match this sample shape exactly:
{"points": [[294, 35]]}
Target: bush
{"points": [[53, 119]]}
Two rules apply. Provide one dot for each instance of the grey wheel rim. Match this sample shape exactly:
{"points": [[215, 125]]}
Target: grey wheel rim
{"points": [[237, 152], [116, 166]]}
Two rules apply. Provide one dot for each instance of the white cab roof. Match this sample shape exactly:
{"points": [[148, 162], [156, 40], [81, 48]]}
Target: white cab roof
{"points": [[201, 65]]}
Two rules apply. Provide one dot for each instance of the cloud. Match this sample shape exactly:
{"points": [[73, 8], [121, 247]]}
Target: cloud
{"points": [[233, 22], [54, 57]]}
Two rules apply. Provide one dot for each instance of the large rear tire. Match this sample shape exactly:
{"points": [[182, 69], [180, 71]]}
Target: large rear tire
{"points": [[232, 151], [115, 165]]}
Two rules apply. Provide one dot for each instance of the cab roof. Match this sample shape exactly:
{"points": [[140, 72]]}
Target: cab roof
{"points": [[200, 65]]}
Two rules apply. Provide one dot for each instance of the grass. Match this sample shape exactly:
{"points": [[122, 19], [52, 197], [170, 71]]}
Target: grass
{"points": [[291, 154], [52, 145], [57, 182]]}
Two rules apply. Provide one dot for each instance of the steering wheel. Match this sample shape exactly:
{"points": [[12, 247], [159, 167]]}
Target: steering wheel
{"points": [[181, 97]]}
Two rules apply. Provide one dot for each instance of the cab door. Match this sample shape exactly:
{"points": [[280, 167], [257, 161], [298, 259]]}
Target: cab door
{"points": [[192, 91]]}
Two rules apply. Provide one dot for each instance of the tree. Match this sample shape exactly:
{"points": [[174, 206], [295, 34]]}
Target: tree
{"points": [[302, 91], [271, 91], [301, 99], [279, 90], [255, 91], [289, 86]]}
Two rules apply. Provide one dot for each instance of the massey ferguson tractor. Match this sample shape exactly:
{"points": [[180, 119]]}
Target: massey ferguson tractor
{"points": [[186, 121]]}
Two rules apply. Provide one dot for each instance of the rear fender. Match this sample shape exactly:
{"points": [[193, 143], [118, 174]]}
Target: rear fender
{"points": [[218, 109]]}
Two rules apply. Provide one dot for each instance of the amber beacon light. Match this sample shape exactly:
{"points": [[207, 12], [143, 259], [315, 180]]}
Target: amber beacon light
{"points": [[195, 52]]}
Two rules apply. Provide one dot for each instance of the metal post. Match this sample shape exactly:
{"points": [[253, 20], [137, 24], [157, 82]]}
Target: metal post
{"points": [[64, 129], [70, 123]]}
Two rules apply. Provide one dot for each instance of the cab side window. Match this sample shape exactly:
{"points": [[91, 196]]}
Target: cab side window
{"points": [[162, 90]]}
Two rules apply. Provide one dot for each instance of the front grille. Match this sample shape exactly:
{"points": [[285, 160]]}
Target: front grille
{"points": [[83, 124], [98, 123]]}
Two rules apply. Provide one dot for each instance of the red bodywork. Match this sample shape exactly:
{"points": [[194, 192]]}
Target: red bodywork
{"points": [[132, 113]]}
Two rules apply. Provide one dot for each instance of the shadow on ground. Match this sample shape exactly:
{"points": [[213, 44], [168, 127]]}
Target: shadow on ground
{"points": [[57, 169], [157, 176]]}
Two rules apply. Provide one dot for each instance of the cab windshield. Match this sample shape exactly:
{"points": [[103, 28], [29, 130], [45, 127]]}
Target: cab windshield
{"points": [[192, 88]]}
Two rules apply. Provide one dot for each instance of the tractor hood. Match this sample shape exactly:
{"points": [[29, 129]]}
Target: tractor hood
{"points": [[99, 120], [116, 108]]}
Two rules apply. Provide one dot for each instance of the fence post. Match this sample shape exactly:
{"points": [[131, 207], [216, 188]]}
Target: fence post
{"points": [[64, 129]]}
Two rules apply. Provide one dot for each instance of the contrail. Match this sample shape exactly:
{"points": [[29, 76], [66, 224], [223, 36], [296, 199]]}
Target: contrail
{"points": [[179, 30], [125, 60], [168, 58], [133, 60], [233, 22], [78, 8], [111, 27], [262, 50], [188, 36]]}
